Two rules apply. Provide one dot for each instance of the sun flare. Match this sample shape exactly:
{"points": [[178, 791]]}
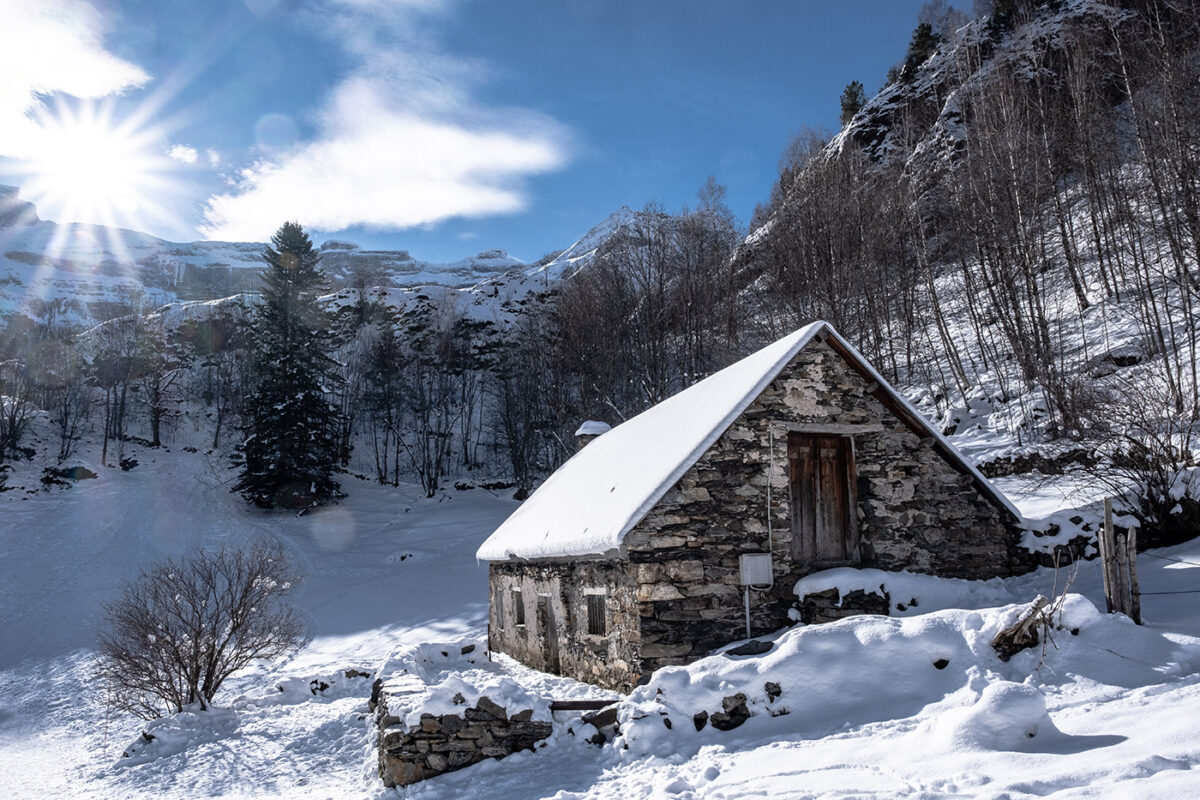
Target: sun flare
{"points": [[92, 168]]}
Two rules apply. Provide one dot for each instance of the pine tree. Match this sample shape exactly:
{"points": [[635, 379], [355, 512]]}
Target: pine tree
{"points": [[291, 446], [853, 99], [924, 42]]}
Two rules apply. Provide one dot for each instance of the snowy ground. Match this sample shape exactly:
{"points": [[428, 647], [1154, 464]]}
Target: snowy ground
{"points": [[869, 715]]}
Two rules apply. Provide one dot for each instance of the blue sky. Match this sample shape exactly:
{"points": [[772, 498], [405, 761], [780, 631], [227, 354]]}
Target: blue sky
{"points": [[438, 126]]}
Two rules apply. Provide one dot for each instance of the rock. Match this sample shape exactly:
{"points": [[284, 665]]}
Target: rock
{"points": [[751, 648], [700, 720], [773, 690], [397, 772], [658, 592], [734, 714], [688, 571], [666, 650], [603, 718], [497, 711], [523, 716], [471, 732]]}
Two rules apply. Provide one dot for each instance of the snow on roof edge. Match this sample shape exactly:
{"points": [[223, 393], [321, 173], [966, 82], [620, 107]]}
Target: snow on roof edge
{"points": [[802, 337]]}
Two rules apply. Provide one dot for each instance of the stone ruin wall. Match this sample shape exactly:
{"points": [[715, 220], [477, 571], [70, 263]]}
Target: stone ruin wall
{"points": [[611, 661], [448, 742], [915, 511]]}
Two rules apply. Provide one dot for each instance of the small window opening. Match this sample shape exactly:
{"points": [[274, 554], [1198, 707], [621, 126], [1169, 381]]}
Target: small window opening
{"points": [[595, 615], [518, 607]]}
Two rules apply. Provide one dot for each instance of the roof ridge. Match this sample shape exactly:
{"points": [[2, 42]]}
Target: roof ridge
{"points": [[522, 534]]}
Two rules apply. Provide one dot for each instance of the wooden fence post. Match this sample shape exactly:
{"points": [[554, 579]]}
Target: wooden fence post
{"points": [[1118, 566], [1107, 557], [1135, 592]]}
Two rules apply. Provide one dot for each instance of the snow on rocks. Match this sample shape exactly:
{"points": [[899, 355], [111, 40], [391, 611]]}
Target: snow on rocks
{"points": [[907, 593]]}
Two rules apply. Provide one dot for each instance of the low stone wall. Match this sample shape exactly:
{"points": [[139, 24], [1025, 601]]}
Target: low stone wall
{"points": [[444, 743], [830, 605]]}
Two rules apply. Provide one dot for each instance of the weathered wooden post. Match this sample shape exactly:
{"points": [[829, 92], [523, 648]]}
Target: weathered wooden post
{"points": [[1108, 557], [1118, 565], [1135, 592]]}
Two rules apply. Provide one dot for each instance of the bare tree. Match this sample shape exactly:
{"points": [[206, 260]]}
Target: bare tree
{"points": [[185, 625], [16, 404]]}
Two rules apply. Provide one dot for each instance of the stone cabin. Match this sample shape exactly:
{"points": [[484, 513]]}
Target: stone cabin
{"points": [[628, 557]]}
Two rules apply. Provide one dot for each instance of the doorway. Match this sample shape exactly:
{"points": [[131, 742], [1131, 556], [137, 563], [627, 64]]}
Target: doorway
{"points": [[824, 505], [549, 634]]}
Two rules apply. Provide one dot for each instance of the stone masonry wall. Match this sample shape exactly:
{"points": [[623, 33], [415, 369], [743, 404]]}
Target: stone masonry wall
{"points": [[915, 511], [446, 742], [610, 661]]}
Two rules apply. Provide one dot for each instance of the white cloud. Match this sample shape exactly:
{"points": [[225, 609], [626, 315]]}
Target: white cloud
{"points": [[401, 142], [49, 46], [181, 152], [214, 158]]}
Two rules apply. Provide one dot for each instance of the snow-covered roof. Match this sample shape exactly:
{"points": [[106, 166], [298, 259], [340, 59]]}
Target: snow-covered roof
{"points": [[588, 505], [593, 428]]}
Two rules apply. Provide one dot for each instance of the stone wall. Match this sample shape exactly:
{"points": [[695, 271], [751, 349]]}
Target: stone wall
{"points": [[443, 743], [830, 605], [915, 511], [610, 661]]}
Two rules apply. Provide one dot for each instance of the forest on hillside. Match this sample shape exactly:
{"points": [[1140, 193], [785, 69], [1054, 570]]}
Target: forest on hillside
{"points": [[1014, 217]]}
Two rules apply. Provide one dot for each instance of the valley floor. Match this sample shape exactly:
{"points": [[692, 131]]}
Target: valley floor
{"points": [[389, 568]]}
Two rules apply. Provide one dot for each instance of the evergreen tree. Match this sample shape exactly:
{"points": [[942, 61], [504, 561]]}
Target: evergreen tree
{"points": [[853, 99], [291, 445], [924, 42]]}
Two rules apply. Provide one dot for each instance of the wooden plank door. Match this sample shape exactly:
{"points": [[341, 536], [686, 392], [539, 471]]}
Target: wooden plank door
{"points": [[824, 513]]}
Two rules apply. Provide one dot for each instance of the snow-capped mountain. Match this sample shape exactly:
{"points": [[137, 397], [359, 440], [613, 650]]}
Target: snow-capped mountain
{"points": [[83, 271]]}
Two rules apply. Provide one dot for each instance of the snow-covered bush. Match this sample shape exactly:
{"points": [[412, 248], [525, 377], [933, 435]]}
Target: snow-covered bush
{"points": [[184, 626], [1151, 461]]}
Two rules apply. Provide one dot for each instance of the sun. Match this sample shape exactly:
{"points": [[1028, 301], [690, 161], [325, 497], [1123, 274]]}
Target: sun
{"points": [[90, 168]]}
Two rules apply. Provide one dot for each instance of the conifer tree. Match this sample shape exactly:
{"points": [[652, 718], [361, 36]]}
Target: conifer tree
{"points": [[924, 42], [854, 97], [291, 447]]}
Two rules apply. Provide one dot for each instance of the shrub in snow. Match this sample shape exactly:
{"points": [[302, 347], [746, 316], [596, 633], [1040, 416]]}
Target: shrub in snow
{"points": [[1151, 461], [184, 626]]}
